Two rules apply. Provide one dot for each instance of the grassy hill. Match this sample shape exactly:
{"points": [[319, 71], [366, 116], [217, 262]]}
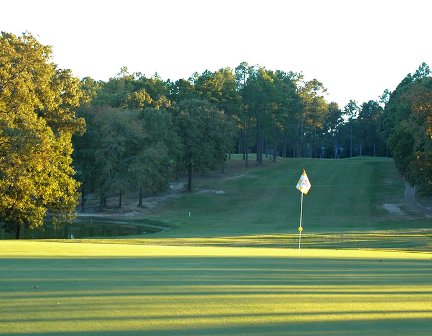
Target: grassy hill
{"points": [[346, 195], [261, 206]]}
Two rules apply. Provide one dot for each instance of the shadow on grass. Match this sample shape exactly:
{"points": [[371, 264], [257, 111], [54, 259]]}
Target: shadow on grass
{"points": [[238, 295], [43, 277], [413, 240]]}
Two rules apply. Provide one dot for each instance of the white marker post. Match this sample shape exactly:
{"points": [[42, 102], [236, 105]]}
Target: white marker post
{"points": [[303, 185]]}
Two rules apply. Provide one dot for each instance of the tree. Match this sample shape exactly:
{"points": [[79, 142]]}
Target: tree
{"points": [[332, 125], [314, 111], [115, 92], [258, 97], [37, 120], [351, 110], [206, 135], [139, 99], [156, 151], [181, 90], [219, 88], [368, 122], [84, 145], [242, 73], [286, 109], [401, 143], [406, 125], [115, 130]]}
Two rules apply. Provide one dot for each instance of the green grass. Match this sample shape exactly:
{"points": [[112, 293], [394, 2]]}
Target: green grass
{"points": [[114, 289], [346, 195], [344, 209], [233, 268]]}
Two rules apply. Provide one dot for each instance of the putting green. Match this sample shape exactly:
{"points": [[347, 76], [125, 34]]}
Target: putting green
{"points": [[53, 288]]}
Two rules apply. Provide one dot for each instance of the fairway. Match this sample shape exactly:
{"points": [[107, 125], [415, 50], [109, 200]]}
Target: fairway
{"points": [[346, 195], [101, 289], [346, 208]]}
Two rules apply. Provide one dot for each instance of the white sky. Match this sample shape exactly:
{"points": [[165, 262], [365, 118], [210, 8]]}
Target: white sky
{"points": [[356, 48]]}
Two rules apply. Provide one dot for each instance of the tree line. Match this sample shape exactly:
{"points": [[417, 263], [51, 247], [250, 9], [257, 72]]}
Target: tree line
{"points": [[137, 133]]}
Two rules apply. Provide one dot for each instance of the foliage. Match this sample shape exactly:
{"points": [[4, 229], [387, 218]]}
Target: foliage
{"points": [[115, 133], [128, 150], [219, 88], [407, 122], [37, 120], [368, 124], [155, 157], [206, 135], [313, 115]]}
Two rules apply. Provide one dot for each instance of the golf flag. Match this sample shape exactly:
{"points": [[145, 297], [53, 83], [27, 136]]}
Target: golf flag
{"points": [[303, 185]]}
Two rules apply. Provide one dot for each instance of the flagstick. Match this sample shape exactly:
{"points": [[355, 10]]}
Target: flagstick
{"points": [[301, 216]]}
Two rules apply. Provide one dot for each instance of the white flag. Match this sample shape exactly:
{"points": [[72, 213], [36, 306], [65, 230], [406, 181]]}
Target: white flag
{"points": [[303, 185]]}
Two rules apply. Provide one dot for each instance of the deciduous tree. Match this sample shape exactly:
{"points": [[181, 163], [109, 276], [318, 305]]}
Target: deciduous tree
{"points": [[37, 120], [206, 135]]}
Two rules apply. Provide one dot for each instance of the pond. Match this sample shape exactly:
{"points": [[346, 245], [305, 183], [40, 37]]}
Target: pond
{"points": [[90, 228]]}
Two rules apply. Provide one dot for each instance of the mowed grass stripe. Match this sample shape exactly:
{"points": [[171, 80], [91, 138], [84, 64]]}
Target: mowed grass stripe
{"points": [[31, 249]]}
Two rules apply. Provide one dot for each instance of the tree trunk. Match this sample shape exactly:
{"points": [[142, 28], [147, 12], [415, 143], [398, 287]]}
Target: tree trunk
{"points": [[311, 145], [275, 143], [140, 200], [336, 149], [102, 202], [262, 147], [301, 140], [189, 186], [240, 143], [18, 231], [260, 144], [285, 144], [246, 143], [244, 139], [120, 199], [82, 200]]}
